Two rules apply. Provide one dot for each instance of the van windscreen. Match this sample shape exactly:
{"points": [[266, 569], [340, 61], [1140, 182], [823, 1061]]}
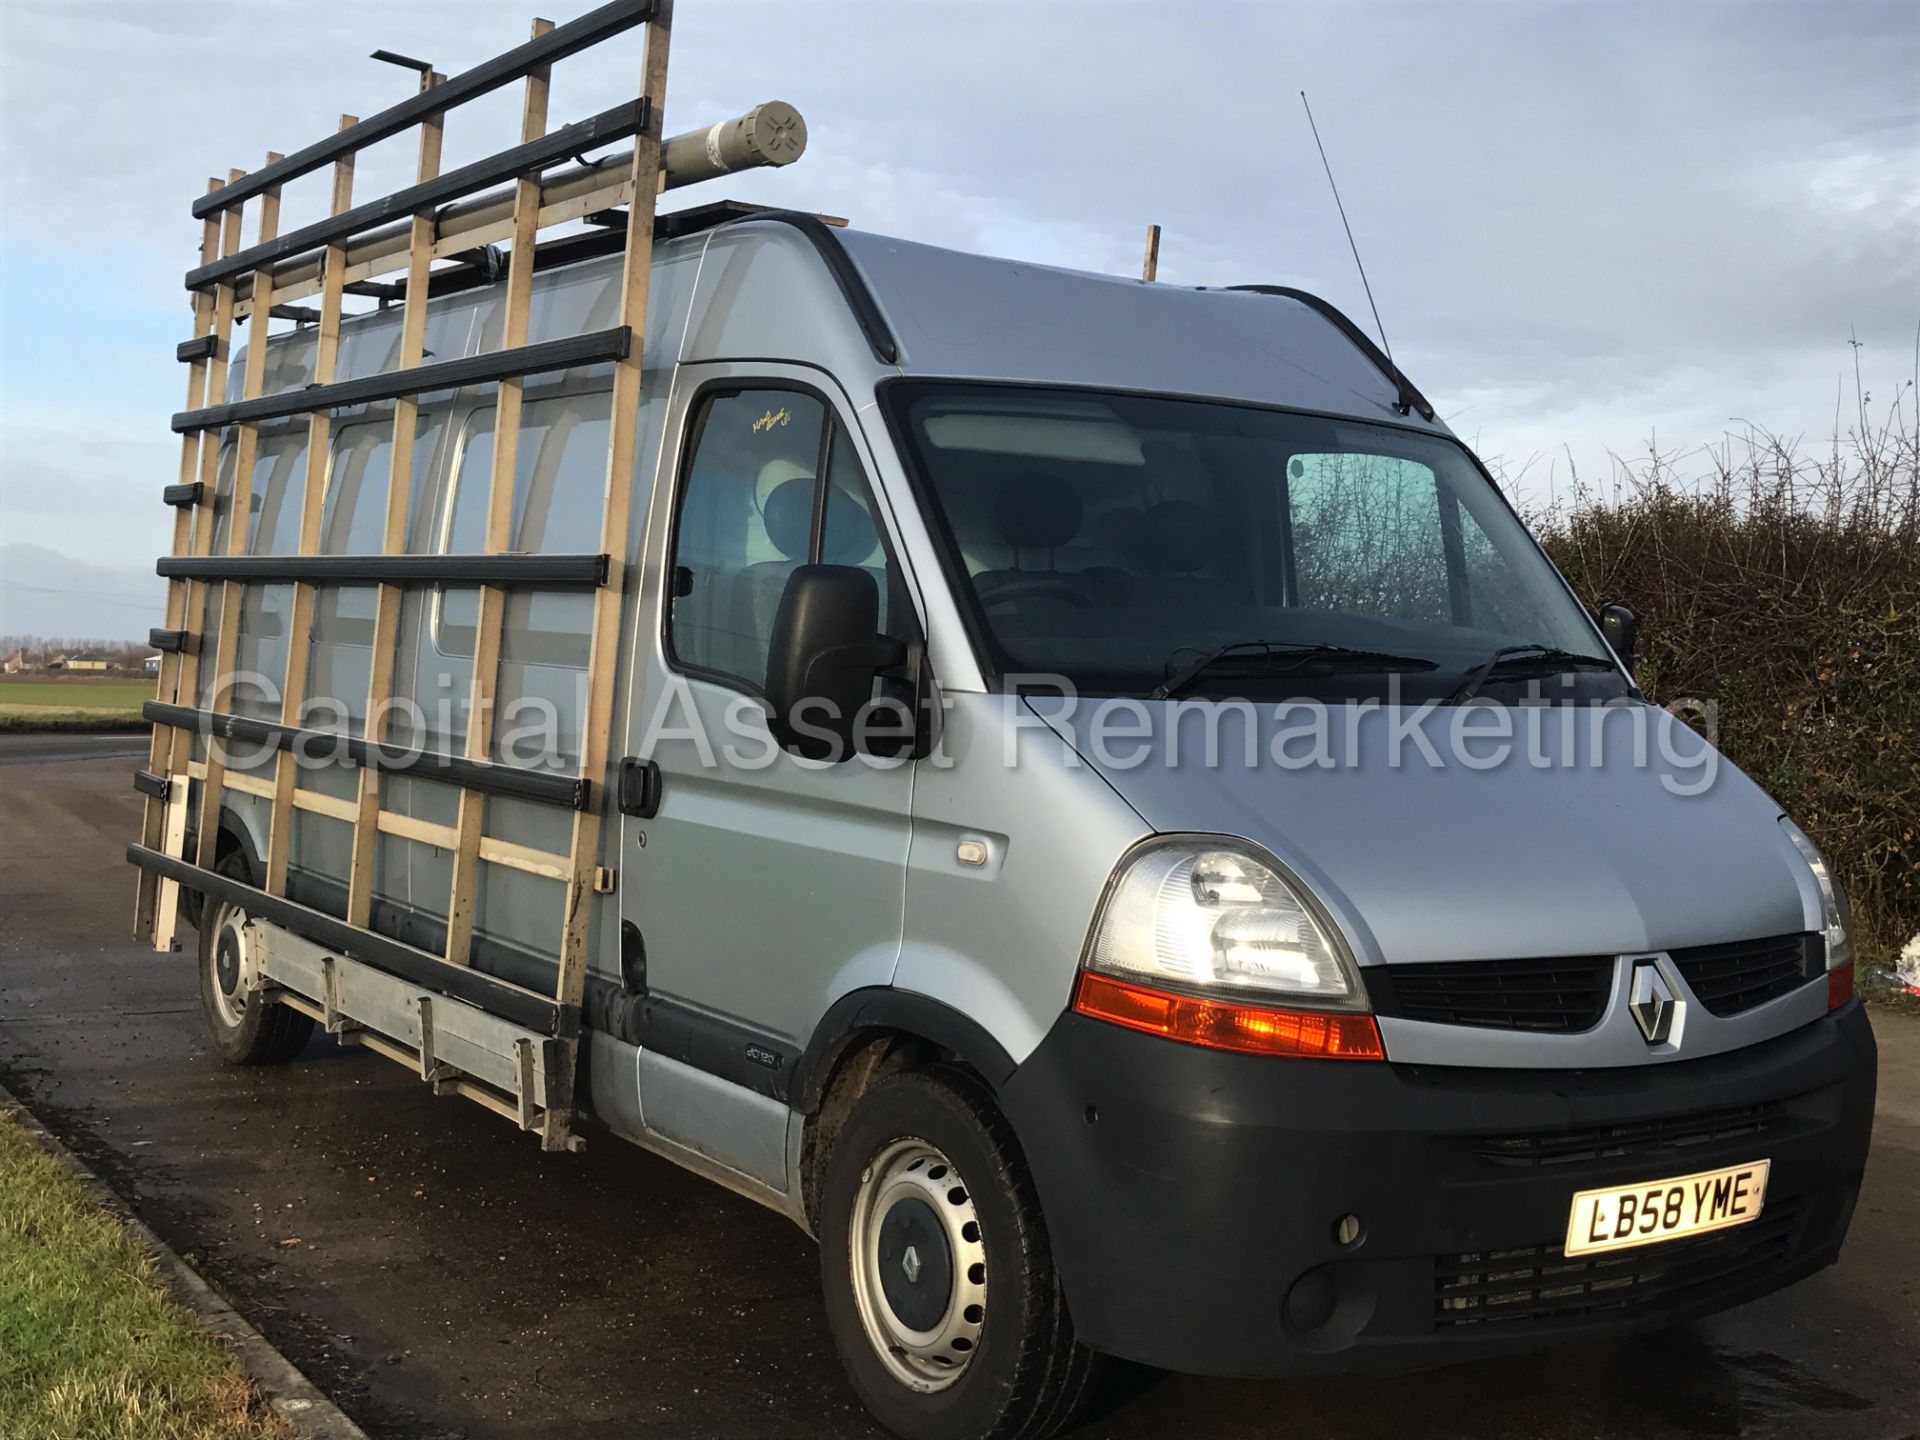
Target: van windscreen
{"points": [[1113, 540]]}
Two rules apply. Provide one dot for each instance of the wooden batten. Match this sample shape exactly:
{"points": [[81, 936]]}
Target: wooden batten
{"points": [[179, 744], [293, 685], [604, 650], [499, 538], [386, 615], [154, 816], [219, 655]]}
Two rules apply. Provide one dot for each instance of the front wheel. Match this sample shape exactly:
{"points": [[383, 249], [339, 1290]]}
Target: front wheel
{"points": [[940, 1286], [246, 1029]]}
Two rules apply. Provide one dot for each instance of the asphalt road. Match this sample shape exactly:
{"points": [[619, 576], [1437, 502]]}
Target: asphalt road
{"points": [[438, 1276]]}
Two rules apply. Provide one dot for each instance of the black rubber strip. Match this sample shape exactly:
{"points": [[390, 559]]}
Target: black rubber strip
{"points": [[174, 642], [853, 285], [417, 967], [188, 494], [544, 572], [502, 69], [588, 349], [199, 349], [1408, 396], [148, 783], [570, 791], [622, 121]]}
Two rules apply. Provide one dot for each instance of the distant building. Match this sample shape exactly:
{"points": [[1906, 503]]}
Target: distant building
{"points": [[13, 664], [80, 664], [151, 664]]}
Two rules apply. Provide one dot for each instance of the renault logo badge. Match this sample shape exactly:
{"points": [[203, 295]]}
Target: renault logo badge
{"points": [[910, 1263], [1652, 1002]]}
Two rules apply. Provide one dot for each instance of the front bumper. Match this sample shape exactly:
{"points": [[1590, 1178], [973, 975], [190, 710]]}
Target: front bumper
{"points": [[1192, 1196]]}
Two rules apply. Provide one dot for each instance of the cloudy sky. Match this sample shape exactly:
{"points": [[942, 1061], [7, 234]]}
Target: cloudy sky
{"points": [[1587, 224]]}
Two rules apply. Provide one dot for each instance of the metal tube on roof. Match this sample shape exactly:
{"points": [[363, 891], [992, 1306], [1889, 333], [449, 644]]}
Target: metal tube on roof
{"points": [[769, 134]]}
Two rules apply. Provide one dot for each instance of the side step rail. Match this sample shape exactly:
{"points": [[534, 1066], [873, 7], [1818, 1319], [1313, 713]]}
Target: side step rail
{"points": [[457, 1048], [463, 1031]]}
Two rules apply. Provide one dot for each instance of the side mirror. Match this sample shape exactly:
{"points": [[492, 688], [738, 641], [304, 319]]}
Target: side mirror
{"points": [[825, 650], [1622, 628]]}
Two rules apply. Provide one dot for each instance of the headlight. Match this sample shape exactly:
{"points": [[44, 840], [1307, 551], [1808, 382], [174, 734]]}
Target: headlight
{"points": [[1208, 917], [1837, 915]]}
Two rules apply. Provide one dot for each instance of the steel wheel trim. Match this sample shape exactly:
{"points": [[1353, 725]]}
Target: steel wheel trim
{"points": [[914, 1233], [235, 967]]}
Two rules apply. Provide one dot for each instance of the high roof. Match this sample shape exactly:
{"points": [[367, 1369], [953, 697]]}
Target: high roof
{"points": [[958, 314]]}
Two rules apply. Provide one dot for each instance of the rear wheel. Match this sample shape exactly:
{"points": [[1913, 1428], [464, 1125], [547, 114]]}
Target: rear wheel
{"points": [[940, 1285], [246, 1029]]}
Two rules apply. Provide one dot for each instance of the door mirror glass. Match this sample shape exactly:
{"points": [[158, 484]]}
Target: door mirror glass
{"points": [[824, 653]]}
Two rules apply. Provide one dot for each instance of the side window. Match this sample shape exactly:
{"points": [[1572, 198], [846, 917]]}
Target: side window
{"points": [[354, 519], [279, 490], [849, 535], [559, 494], [1367, 538], [747, 519]]}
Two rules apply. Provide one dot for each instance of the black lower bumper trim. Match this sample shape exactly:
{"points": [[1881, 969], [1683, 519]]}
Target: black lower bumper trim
{"points": [[1194, 1199]]}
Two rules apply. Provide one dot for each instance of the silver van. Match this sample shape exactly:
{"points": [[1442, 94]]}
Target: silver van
{"points": [[1113, 826]]}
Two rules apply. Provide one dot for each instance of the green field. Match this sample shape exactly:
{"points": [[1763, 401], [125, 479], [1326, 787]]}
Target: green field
{"points": [[72, 704], [91, 1343]]}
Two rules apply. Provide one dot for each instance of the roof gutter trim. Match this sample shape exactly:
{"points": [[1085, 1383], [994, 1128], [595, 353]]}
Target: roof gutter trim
{"points": [[1409, 398]]}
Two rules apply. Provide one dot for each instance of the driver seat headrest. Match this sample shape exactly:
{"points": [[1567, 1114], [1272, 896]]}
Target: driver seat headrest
{"points": [[1037, 511], [787, 510]]}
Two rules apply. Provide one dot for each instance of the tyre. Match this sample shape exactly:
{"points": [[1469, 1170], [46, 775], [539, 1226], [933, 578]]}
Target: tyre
{"points": [[940, 1286], [246, 1030]]}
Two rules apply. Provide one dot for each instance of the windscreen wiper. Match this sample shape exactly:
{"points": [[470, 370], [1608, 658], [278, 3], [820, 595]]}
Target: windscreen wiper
{"points": [[1542, 657], [1288, 655]]}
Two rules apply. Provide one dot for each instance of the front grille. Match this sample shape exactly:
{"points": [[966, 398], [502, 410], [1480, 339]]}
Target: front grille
{"points": [[1731, 978], [1645, 1137], [1560, 995], [1538, 1283]]}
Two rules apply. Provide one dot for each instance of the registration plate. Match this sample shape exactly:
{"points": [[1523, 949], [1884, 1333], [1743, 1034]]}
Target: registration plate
{"points": [[1666, 1209]]}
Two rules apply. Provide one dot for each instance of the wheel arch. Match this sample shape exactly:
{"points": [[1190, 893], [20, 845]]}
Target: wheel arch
{"points": [[869, 1033], [877, 1012], [233, 838], [236, 835]]}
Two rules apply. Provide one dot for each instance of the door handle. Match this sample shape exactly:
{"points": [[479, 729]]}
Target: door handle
{"points": [[639, 787]]}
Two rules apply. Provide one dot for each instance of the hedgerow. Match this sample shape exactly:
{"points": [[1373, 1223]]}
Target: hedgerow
{"points": [[1783, 587]]}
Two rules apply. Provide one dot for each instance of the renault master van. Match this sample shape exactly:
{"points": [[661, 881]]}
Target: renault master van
{"points": [[1081, 793], [1093, 974]]}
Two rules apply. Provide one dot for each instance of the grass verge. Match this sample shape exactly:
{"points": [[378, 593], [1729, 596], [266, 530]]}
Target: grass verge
{"points": [[92, 1347], [74, 704]]}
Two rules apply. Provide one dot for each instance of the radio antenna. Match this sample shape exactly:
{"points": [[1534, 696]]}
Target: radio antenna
{"points": [[1333, 185]]}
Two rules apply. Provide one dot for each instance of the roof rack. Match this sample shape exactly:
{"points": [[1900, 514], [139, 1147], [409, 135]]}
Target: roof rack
{"points": [[512, 1048], [608, 239]]}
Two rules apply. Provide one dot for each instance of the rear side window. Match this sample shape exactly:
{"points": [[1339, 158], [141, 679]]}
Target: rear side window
{"points": [[279, 485], [354, 517], [559, 496], [751, 510]]}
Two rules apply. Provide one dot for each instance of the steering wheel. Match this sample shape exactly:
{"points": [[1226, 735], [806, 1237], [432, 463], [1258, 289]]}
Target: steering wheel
{"points": [[1035, 588]]}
